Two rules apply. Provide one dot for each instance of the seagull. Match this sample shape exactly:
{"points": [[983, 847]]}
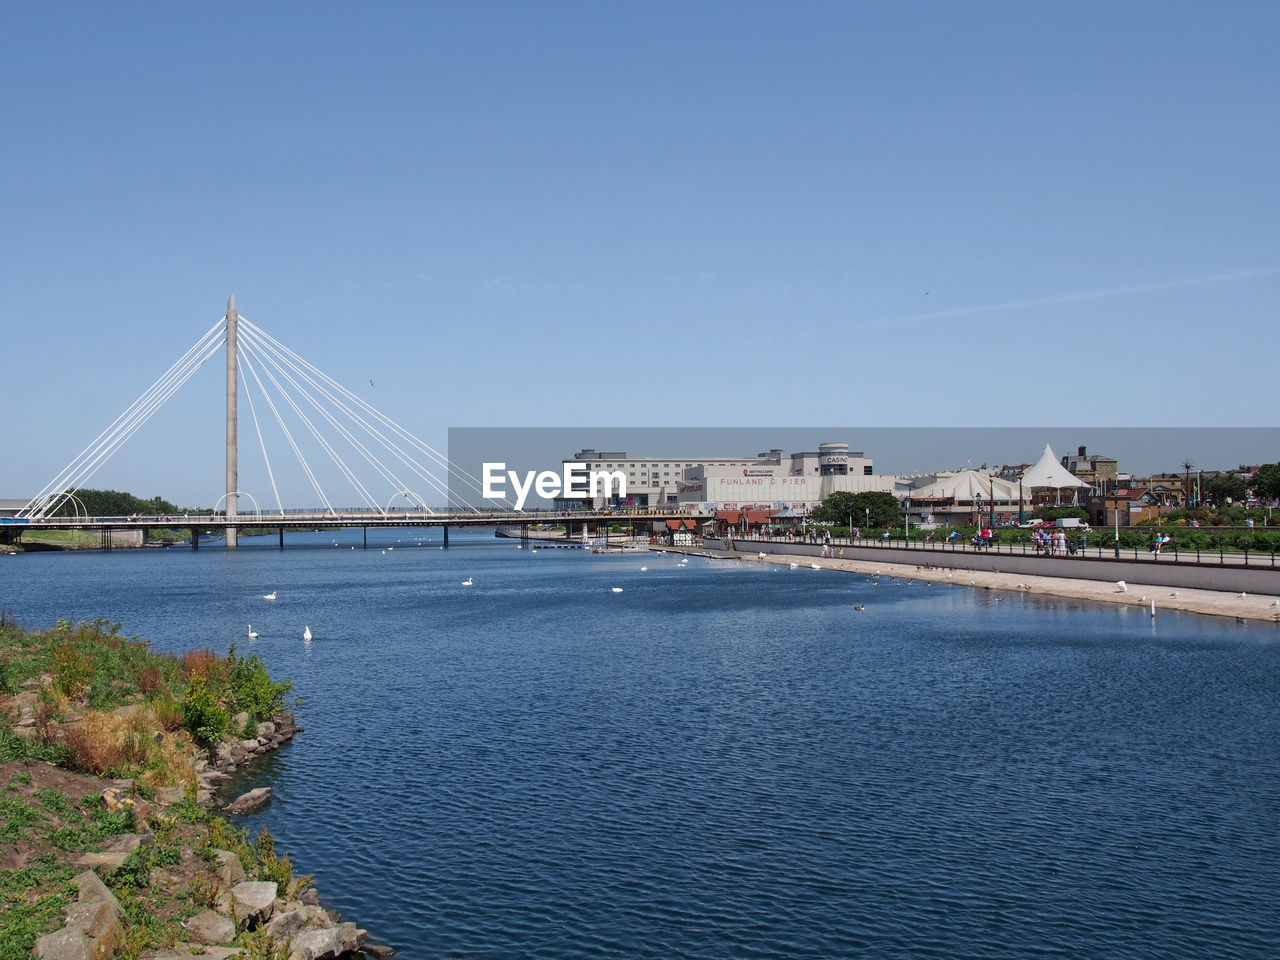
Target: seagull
{"points": [[760, 555], [1275, 603], [467, 582], [1124, 587], [617, 589], [1242, 594], [1142, 599], [253, 634], [815, 566], [795, 566], [371, 383], [306, 633], [269, 596], [1174, 594]]}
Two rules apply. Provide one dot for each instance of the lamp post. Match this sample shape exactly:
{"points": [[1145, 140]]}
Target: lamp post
{"points": [[1117, 511]]}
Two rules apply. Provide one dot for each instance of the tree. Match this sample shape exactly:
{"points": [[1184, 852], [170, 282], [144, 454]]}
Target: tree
{"points": [[840, 506], [1266, 481], [1224, 487]]}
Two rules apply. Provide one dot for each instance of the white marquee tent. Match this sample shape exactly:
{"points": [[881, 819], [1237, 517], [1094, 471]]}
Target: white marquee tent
{"points": [[1049, 472]]}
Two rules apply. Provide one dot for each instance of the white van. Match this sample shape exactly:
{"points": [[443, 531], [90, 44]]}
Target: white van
{"points": [[1071, 523]]}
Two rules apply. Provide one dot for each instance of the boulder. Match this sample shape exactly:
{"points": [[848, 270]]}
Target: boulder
{"points": [[93, 890], [287, 923], [108, 861], [230, 869], [266, 729], [69, 943], [318, 918], [378, 951], [210, 927], [352, 937], [254, 900], [316, 945], [169, 794], [247, 803]]}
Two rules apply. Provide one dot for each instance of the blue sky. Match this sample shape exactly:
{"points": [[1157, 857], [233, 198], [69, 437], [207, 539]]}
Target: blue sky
{"points": [[727, 214]]}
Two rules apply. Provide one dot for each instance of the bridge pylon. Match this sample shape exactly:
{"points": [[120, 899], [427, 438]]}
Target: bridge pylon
{"points": [[233, 388]]}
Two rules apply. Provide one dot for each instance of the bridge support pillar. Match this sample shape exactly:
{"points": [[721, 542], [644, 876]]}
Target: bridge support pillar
{"points": [[568, 531], [195, 539], [445, 545], [365, 531], [282, 538]]}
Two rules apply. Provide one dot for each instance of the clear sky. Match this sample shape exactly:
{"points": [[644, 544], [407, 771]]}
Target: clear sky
{"points": [[556, 213]]}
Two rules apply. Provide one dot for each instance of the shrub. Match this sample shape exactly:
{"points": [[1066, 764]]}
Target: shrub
{"points": [[202, 714], [103, 742], [252, 689], [72, 669]]}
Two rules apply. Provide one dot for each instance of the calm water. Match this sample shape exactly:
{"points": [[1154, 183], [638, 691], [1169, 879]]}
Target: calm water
{"points": [[725, 761]]}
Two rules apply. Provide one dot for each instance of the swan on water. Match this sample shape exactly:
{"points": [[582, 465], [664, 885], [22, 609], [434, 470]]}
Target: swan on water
{"points": [[643, 569], [306, 633], [617, 589], [253, 634], [269, 596], [467, 582]]}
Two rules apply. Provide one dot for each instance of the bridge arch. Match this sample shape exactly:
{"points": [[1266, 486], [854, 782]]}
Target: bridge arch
{"points": [[240, 493], [409, 494]]}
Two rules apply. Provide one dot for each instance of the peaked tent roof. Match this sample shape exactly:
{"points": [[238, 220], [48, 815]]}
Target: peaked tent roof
{"points": [[1049, 472], [966, 485]]}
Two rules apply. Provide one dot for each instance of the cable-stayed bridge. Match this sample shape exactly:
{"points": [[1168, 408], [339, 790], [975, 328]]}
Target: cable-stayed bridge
{"points": [[391, 473]]}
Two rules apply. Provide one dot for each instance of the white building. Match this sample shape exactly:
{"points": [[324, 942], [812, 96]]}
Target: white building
{"points": [[706, 483]]}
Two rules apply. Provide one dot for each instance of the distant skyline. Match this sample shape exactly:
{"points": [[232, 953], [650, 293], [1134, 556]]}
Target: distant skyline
{"points": [[477, 214]]}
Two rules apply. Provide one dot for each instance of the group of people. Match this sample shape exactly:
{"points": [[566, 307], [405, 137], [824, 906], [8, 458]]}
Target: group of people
{"points": [[1052, 543], [1161, 541]]}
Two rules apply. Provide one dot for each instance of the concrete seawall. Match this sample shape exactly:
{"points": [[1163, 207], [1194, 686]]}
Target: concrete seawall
{"points": [[1183, 573]]}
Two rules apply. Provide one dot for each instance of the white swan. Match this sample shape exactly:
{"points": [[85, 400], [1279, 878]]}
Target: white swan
{"points": [[617, 589], [467, 582], [815, 566], [253, 634], [306, 633], [269, 596], [795, 566]]}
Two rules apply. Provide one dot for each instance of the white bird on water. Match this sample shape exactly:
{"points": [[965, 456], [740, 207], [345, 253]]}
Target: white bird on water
{"points": [[617, 589], [643, 569], [306, 633], [269, 596], [253, 634], [467, 582]]}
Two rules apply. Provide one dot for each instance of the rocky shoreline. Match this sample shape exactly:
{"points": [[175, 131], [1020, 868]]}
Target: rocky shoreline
{"points": [[246, 914]]}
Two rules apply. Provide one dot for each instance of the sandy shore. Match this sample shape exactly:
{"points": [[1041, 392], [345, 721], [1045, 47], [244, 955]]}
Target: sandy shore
{"points": [[1213, 602]]}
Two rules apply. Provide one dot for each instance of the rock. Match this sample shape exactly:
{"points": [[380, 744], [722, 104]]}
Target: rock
{"points": [[107, 862], [96, 920], [240, 719], [169, 794], [208, 926], [128, 842], [254, 900], [249, 746], [310, 896], [352, 937], [115, 799], [266, 729], [69, 943], [230, 869], [285, 924], [246, 803], [93, 890], [379, 951], [318, 918], [316, 945]]}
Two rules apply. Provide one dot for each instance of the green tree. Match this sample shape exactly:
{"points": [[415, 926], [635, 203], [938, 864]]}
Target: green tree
{"points": [[838, 507], [1224, 487], [1266, 482]]}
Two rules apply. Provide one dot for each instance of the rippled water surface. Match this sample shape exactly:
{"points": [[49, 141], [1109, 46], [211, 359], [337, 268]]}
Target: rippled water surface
{"points": [[726, 760]]}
